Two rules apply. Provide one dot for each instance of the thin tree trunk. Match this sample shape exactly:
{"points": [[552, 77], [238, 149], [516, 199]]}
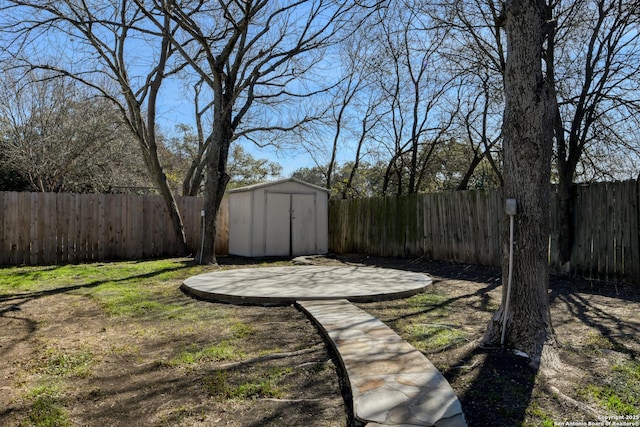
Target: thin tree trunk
{"points": [[151, 141], [464, 183], [565, 213], [527, 166], [172, 206], [356, 163]]}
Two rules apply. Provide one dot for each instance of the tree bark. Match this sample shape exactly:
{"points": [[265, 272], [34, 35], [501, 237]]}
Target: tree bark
{"points": [[565, 196], [215, 186], [216, 173], [528, 138], [160, 180]]}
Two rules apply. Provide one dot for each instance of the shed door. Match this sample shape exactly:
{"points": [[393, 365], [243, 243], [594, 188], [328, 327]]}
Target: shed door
{"points": [[303, 224], [291, 223], [278, 224]]}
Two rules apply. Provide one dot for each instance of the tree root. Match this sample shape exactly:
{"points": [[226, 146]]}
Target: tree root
{"points": [[581, 406], [266, 357], [273, 399]]}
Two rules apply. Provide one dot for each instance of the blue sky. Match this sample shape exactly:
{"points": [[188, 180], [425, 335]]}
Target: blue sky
{"points": [[175, 110]]}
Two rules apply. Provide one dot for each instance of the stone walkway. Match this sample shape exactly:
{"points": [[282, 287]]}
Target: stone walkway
{"points": [[392, 383]]}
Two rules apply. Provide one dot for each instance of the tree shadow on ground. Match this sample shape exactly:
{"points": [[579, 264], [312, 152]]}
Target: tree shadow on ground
{"points": [[24, 297], [501, 389], [599, 305], [496, 387], [11, 303]]}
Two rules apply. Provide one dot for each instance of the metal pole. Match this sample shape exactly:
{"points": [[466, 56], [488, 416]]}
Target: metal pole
{"points": [[510, 208], [202, 241]]}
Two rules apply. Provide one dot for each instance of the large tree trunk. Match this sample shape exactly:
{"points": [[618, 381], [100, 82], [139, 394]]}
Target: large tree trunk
{"points": [[528, 137], [215, 186], [216, 182]]}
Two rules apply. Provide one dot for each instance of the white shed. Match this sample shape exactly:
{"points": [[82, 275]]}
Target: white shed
{"points": [[281, 218]]}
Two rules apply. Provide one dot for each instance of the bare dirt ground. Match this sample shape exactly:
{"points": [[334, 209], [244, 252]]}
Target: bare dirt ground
{"points": [[596, 323], [268, 366]]}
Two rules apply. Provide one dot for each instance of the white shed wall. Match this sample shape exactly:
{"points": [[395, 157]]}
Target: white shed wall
{"points": [[261, 222], [240, 223]]}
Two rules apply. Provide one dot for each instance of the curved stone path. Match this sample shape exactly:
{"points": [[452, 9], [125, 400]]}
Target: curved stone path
{"points": [[392, 383]]}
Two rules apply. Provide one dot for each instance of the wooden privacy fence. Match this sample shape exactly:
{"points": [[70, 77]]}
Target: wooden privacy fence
{"points": [[465, 227], [459, 226], [53, 228], [607, 232]]}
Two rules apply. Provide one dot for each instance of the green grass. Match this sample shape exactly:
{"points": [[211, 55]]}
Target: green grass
{"points": [[45, 400], [131, 289], [621, 393], [433, 304], [46, 409], [59, 363], [434, 337], [597, 342], [541, 418], [41, 278], [219, 386], [216, 352], [141, 305], [427, 300], [242, 330]]}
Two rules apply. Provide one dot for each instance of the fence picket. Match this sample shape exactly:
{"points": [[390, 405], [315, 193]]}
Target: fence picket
{"points": [[4, 248], [24, 230]]}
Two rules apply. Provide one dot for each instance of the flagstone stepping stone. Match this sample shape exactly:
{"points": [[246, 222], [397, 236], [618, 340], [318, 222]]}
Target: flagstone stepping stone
{"points": [[392, 383]]}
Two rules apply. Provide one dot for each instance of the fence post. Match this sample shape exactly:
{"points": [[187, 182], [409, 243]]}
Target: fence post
{"points": [[636, 253]]}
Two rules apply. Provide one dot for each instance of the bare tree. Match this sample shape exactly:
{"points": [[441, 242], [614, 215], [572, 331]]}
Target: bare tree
{"points": [[475, 52], [101, 47], [411, 77], [192, 182], [528, 141], [255, 57], [352, 85], [594, 57], [478, 118], [369, 119], [58, 138], [353, 112]]}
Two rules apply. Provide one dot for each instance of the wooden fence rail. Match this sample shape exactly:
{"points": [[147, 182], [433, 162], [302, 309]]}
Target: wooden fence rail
{"points": [[465, 227], [54, 228]]}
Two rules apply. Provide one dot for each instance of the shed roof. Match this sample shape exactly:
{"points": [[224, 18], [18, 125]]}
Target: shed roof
{"points": [[281, 181]]}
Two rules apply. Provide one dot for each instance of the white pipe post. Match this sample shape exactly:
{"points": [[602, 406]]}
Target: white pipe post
{"points": [[510, 208], [202, 241]]}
